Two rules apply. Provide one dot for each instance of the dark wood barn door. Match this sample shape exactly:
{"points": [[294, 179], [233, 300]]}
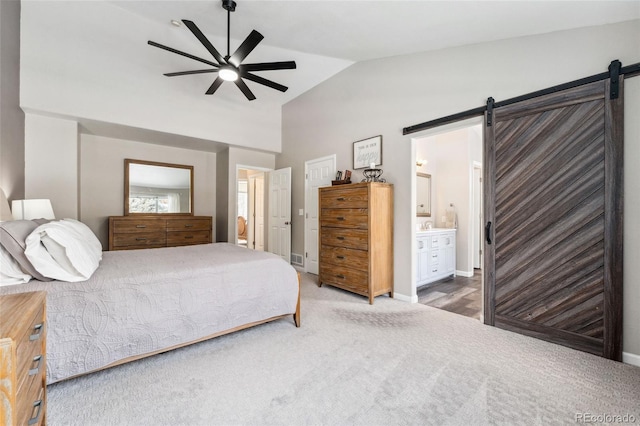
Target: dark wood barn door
{"points": [[553, 207]]}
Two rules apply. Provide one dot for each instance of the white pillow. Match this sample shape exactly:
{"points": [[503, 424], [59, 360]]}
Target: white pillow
{"points": [[64, 250], [10, 271]]}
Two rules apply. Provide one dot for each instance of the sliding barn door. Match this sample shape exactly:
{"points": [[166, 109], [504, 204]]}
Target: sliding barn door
{"points": [[553, 214]]}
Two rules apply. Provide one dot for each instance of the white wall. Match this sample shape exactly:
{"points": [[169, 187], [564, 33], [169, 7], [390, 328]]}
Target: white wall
{"points": [[102, 178], [383, 96], [51, 163], [11, 116]]}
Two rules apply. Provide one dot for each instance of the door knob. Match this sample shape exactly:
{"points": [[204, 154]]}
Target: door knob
{"points": [[287, 223]]}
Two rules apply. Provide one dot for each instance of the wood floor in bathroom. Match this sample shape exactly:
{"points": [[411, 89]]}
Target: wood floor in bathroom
{"points": [[460, 295]]}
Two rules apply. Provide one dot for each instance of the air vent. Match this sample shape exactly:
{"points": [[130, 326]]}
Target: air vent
{"points": [[296, 259]]}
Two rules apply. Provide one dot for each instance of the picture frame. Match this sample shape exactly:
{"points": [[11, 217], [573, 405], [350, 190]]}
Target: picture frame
{"points": [[366, 152]]}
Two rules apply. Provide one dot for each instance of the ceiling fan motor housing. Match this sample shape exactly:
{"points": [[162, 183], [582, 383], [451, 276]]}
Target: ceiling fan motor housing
{"points": [[229, 5]]}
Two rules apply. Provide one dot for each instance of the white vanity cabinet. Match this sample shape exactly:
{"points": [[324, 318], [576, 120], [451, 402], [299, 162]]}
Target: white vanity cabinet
{"points": [[436, 255]]}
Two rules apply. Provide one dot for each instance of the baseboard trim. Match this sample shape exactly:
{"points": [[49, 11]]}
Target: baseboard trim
{"points": [[405, 298], [632, 359], [466, 274]]}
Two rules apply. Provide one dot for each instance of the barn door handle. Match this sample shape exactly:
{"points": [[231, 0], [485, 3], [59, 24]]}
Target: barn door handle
{"points": [[487, 232]]}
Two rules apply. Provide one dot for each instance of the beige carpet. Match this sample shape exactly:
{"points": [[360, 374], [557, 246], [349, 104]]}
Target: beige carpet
{"points": [[352, 363]]}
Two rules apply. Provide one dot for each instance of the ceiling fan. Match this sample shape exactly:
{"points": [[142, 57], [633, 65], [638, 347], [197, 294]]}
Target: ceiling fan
{"points": [[230, 67]]}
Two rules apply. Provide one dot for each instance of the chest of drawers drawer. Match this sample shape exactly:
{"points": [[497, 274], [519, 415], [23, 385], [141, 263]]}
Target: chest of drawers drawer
{"points": [[348, 238], [340, 256], [345, 218], [344, 277], [345, 198]]}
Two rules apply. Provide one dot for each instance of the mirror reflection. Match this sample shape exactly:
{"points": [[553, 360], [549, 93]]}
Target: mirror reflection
{"points": [[423, 194], [158, 188]]}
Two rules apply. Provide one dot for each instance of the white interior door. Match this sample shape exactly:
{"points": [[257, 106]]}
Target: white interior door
{"points": [[258, 241], [318, 173], [280, 213]]}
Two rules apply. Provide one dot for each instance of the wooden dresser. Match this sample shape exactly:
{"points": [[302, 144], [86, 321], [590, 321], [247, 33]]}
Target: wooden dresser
{"points": [[136, 232], [356, 238], [23, 359]]}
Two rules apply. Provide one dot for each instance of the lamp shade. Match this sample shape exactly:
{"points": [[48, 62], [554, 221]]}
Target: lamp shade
{"points": [[5, 211], [32, 209]]}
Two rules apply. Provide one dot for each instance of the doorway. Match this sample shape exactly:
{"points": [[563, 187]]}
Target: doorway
{"points": [[251, 209], [449, 240]]}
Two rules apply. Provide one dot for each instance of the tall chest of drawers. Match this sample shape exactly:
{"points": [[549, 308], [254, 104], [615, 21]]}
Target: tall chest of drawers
{"points": [[136, 232], [356, 238], [23, 359]]}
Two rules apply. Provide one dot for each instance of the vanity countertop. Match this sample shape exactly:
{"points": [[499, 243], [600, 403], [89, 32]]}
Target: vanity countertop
{"points": [[434, 230]]}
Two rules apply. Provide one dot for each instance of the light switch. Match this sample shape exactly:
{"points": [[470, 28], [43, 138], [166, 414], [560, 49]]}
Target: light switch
{"points": [[301, 212]]}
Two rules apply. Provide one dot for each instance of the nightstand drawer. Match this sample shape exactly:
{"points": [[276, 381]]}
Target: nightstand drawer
{"points": [[188, 237], [348, 238], [356, 259], [345, 218], [345, 198], [31, 406], [140, 240]]}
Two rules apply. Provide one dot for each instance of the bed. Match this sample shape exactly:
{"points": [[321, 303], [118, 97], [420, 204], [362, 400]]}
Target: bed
{"points": [[143, 302]]}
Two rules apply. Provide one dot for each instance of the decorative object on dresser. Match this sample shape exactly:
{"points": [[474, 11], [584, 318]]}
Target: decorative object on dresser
{"points": [[436, 255], [23, 359], [356, 238], [136, 232], [339, 178]]}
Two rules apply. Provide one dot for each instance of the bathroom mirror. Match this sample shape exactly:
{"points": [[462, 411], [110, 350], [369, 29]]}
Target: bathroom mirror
{"points": [[152, 188], [423, 194]]}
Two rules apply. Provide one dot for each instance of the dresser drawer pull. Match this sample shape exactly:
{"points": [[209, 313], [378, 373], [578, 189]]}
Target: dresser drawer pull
{"points": [[340, 257], [141, 239], [141, 226], [38, 330], [340, 238], [189, 225], [186, 237], [37, 360], [37, 407], [341, 276], [340, 198], [340, 218]]}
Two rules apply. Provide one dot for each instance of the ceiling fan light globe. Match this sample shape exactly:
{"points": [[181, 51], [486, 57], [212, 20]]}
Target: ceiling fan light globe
{"points": [[228, 74]]}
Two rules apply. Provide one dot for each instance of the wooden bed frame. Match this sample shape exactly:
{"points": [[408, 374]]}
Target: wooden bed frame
{"points": [[296, 320]]}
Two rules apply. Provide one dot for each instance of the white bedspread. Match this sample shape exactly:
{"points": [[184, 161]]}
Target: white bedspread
{"points": [[141, 301]]}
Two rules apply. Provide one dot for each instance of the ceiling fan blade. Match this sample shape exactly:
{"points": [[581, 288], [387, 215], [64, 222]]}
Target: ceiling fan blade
{"points": [[216, 83], [246, 47], [268, 66], [264, 81], [204, 40], [173, 74], [186, 55], [245, 89]]}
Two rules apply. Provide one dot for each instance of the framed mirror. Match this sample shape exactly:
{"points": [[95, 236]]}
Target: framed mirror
{"points": [[423, 194], [152, 188]]}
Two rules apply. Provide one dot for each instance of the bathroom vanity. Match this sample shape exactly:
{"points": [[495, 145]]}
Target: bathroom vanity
{"points": [[436, 255]]}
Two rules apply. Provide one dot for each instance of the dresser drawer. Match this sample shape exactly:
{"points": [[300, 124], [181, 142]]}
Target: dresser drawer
{"points": [[347, 278], [140, 240], [188, 225], [345, 218], [348, 238], [187, 238], [350, 198], [339, 256], [138, 225]]}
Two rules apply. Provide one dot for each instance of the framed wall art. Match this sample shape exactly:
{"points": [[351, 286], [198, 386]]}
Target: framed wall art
{"points": [[367, 153]]}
